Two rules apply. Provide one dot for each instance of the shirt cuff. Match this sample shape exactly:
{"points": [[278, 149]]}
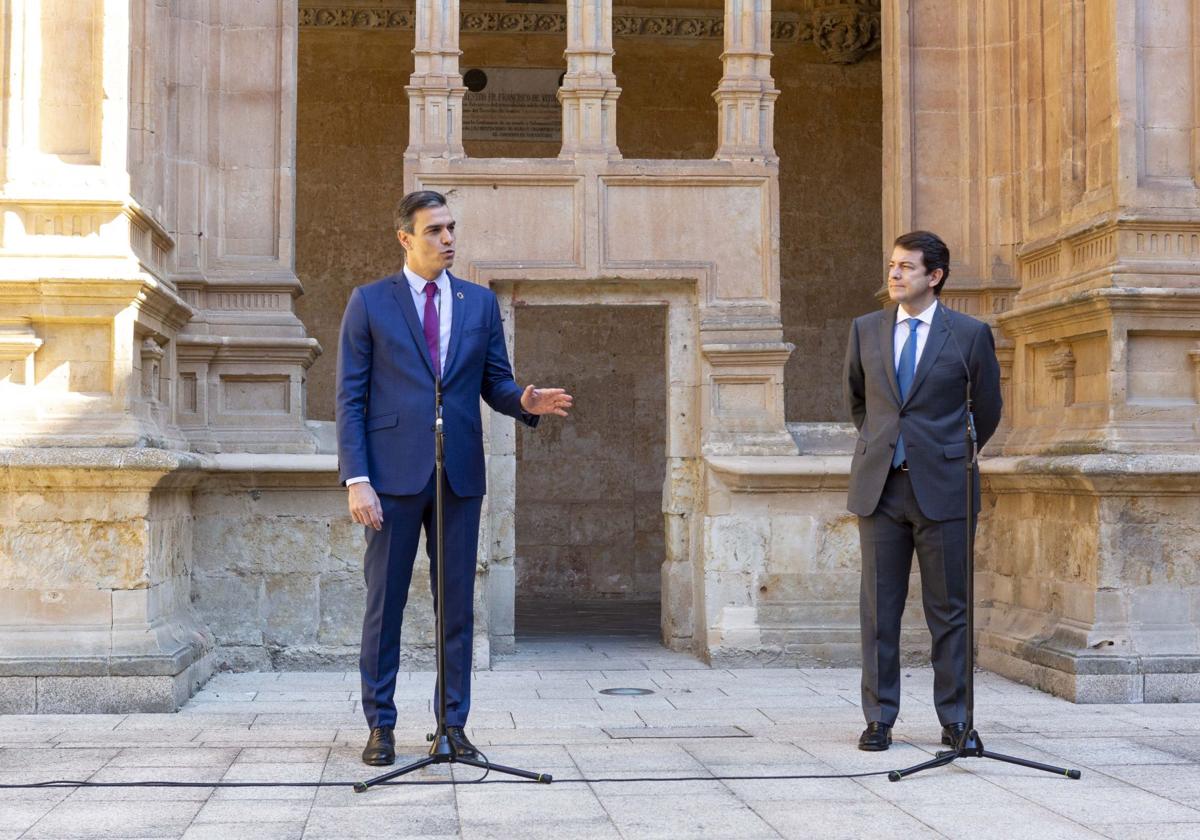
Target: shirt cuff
{"points": [[358, 479]]}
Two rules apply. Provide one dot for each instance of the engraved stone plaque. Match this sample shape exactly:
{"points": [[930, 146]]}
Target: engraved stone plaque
{"points": [[512, 103]]}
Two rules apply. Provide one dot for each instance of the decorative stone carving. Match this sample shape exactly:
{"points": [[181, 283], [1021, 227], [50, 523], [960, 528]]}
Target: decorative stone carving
{"points": [[18, 344], [512, 23], [1061, 367], [351, 18], [846, 31], [152, 357], [678, 25], [1194, 356]]}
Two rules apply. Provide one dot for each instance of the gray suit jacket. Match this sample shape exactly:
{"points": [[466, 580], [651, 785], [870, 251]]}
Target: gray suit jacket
{"points": [[932, 418]]}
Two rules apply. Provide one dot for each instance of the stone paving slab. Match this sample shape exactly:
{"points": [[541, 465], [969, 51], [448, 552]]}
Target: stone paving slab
{"points": [[542, 710]]}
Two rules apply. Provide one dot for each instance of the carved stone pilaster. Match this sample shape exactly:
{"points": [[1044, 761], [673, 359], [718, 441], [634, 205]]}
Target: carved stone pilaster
{"points": [[435, 89], [152, 369], [1061, 367], [744, 394], [589, 90], [746, 95], [18, 344], [1194, 355]]}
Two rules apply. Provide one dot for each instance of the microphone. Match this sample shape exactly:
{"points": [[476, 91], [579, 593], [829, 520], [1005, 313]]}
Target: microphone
{"points": [[437, 403]]}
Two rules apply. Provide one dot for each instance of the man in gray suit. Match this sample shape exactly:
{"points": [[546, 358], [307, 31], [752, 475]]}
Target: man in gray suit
{"points": [[907, 373]]}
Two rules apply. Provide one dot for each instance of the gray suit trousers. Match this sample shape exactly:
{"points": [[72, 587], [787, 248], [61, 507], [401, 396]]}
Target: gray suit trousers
{"points": [[888, 537]]}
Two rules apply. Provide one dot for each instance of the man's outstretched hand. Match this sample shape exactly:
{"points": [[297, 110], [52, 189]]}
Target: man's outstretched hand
{"points": [[546, 401]]}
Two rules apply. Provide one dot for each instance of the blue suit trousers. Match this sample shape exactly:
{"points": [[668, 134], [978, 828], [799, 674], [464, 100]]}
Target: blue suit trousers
{"points": [[388, 567]]}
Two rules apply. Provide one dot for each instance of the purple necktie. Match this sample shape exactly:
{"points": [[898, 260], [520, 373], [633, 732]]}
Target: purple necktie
{"points": [[432, 327]]}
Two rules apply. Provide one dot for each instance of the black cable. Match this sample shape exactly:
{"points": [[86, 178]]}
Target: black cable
{"points": [[76, 783]]}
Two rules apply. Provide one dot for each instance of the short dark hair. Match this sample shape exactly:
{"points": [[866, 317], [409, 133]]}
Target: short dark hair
{"points": [[934, 253], [414, 201]]}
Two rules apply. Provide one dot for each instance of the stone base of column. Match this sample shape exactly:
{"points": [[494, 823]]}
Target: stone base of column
{"points": [[1085, 676], [245, 394], [120, 683], [1087, 582], [95, 613]]}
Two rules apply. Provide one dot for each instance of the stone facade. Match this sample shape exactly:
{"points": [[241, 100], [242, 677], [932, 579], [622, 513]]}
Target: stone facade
{"points": [[169, 502]]}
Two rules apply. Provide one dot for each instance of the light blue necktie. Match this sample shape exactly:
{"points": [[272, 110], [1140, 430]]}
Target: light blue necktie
{"points": [[905, 372]]}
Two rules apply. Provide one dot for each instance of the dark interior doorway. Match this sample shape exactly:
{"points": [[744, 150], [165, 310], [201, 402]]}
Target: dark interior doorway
{"points": [[589, 523]]}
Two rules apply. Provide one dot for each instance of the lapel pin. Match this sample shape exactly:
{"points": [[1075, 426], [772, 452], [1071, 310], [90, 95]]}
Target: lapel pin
{"points": [[460, 295]]}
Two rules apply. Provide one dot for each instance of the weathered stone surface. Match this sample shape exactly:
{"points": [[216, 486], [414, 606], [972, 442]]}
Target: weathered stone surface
{"points": [[589, 491], [18, 695], [231, 606], [292, 609], [343, 602], [111, 695]]}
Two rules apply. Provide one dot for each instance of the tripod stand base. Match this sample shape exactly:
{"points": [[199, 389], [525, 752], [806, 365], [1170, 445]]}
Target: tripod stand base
{"points": [[441, 753], [972, 747]]}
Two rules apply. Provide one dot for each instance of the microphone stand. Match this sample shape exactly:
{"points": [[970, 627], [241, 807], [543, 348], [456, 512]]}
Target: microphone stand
{"points": [[970, 745], [440, 752]]}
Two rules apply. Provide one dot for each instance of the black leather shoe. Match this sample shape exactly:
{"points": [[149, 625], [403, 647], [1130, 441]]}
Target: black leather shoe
{"points": [[459, 743], [380, 750], [952, 733], [877, 737]]}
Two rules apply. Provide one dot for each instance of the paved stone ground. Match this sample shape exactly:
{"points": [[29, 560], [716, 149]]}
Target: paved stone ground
{"points": [[541, 709]]}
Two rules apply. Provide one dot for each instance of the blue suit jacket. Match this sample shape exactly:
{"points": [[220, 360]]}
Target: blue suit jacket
{"points": [[385, 388]]}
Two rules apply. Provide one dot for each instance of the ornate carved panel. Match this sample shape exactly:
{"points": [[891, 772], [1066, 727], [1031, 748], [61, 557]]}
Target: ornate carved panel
{"points": [[844, 30]]}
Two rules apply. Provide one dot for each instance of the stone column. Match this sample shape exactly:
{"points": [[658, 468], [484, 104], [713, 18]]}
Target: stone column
{"points": [[589, 90], [1054, 145], [95, 529], [83, 240], [243, 357], [435, 91], [746, 95], [1104, 326], [948, 161]]}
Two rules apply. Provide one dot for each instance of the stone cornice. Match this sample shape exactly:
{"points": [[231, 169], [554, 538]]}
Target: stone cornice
{"points": [[781, 474], [844, 30], [739, 355]]}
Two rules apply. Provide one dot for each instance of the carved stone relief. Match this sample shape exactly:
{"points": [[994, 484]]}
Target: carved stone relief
{"points": [[1061, 366], [844, 30]]}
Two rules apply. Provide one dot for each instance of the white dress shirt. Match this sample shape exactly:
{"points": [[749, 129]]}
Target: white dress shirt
{"points": [[901, 334], [444, 302]]}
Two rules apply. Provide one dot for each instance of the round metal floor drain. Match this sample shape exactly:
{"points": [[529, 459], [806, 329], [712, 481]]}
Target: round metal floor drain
{"points": [[626, 692]]}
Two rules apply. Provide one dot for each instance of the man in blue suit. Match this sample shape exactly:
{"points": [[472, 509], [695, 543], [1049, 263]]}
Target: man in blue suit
{"points": [[398, 335]]}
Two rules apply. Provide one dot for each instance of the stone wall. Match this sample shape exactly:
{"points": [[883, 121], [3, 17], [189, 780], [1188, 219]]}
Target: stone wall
{"points": [[828, 135], [589, 520], [277, 575], [782, 565], [351, 131]]}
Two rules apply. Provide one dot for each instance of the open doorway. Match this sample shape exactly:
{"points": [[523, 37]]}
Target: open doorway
{"points": [[589, 522]]}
